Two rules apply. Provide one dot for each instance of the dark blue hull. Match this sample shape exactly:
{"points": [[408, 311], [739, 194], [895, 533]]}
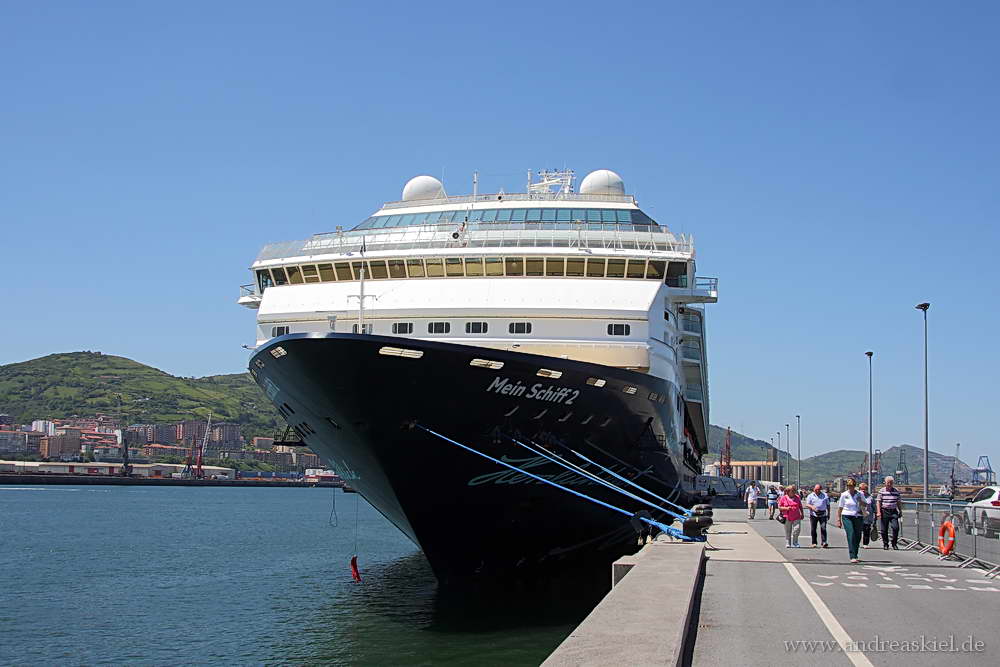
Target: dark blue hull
{"points": [[356, 408]]}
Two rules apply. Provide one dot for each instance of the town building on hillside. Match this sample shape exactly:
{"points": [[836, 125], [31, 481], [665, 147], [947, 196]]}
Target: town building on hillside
{"points": [[64, 444], [164, 433], [262, 443], [6, 422], [154, 450], [44, 426], [225, 435], [191, 431]]}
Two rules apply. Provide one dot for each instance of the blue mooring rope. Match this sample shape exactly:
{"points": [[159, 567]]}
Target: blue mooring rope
{"points": [[687, 512], [575, 468], [665, 528]]}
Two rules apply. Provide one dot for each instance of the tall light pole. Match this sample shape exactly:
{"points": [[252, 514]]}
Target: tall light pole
{"points": [[788, 448], [924, 307], [780, 467], [871, 451], [798, 465]]}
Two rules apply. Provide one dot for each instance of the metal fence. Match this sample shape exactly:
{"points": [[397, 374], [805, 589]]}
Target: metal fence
{"points": [[976, 542]]}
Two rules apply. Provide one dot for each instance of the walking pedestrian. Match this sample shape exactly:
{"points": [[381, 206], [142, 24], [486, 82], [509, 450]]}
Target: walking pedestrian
{"points": [[790, 506], [850, 514], [751, 498], [772, 501], [819, 513], [889, 512], [868, 522]]}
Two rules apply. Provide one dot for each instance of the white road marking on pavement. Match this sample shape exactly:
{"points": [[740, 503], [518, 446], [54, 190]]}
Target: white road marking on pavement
{"points": [[988, 588], [857, 658], [816, 583], [888, 585], [921, 587], [844, 583]]}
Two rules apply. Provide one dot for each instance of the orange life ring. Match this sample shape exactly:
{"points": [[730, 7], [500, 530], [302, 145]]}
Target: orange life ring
{"points": [[946, 538]]}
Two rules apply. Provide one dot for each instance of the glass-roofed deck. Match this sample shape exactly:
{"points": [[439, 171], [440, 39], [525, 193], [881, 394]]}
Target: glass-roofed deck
{"points": [[528, 218]]}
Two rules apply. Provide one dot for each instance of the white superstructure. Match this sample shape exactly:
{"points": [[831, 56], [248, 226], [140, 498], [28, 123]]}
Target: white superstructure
{"points": [[585, 276]]}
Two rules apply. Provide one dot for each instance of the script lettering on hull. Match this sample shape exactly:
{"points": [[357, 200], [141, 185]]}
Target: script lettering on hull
{"points": [[537, 392]]}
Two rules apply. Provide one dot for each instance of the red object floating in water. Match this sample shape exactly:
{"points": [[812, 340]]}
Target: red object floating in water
{"points": [[354, 569]]}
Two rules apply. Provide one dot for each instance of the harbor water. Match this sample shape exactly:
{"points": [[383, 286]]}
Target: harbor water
{"points": [[168, 575]]}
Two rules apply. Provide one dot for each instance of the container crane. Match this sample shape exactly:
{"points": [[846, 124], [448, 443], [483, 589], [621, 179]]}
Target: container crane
{"points": [[902, 472], [983, 472]]}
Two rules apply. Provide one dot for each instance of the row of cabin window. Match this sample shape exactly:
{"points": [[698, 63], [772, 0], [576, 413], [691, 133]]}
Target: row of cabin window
{"points": [[405, 328], [567, 215], [458, 267]]}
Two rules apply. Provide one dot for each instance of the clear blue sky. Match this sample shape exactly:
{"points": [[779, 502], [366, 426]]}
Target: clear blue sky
{"points": [[836, 163]]}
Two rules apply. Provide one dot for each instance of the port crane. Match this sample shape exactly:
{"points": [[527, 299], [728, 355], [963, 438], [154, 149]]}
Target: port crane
{"points": [[193, 465], [726, 460], [126, 469], [902, 472], [983, 472]]}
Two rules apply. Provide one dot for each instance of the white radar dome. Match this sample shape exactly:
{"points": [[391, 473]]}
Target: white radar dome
{"points": [[602, 182], [423, 187]]}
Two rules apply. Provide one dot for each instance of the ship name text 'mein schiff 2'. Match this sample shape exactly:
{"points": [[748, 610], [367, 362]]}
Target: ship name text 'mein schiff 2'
{"points": [[514, 380]]}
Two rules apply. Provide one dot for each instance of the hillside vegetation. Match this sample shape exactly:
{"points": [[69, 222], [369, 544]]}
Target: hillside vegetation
{"points": [[839, 463], [86, 383]]}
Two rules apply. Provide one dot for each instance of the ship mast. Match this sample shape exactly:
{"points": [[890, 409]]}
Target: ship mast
{"points": [[362, 296]]}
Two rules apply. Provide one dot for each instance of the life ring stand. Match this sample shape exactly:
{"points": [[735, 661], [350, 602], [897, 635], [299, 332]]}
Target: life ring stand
{"points": [[946, 537]]}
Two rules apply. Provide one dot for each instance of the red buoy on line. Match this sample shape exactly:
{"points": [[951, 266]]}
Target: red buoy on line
{"points": [[946, 538], [354, 569]]}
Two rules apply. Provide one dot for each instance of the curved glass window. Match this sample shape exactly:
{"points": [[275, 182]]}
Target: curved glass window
{"points": [[595, 218]]}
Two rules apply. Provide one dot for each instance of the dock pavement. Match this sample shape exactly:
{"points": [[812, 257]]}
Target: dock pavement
{"points": [[761, 603]]}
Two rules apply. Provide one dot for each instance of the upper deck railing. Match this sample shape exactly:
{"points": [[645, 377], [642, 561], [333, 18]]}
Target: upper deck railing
{"points": [[513, 196], [486, 236]]}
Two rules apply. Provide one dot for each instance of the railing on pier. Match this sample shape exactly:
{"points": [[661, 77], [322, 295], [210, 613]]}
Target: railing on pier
{"points": [[974, 540]]}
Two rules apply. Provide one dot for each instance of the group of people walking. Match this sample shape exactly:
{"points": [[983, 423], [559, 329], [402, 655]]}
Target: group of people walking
{"points": [[861, 514]]}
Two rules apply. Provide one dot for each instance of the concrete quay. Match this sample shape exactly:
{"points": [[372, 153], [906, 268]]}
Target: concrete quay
{"points": [[756, 602]]}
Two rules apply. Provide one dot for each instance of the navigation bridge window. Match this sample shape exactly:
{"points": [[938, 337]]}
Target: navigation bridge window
{"points": [[619, 329], [439, 327], [278, 331], [519, 327], [465, 267], [476, 327], [521, 218], [402, 327]]}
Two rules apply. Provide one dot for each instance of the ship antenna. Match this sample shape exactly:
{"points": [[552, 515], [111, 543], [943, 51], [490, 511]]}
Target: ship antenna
{"points": [[362, 296], [475, 183]]}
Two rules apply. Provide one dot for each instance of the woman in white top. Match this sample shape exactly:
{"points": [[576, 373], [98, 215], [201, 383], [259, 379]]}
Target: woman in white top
{"points": [[850, 515]]}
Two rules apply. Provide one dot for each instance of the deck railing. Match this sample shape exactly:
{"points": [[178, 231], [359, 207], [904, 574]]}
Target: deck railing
{"points": [[514, 196], [446, 237]]}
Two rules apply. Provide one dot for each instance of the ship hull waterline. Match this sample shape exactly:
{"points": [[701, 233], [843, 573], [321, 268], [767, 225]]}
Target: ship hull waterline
{"points": [[474, 519]]}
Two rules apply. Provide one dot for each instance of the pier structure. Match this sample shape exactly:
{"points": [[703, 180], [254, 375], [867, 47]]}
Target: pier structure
{"points": [[743, 598]]}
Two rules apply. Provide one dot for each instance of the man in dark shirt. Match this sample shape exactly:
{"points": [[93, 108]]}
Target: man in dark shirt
{"points": [[890, 511]]}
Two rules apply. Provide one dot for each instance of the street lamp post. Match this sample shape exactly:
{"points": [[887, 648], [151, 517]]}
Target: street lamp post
{"points": [[871, 451], [924, 307], [798, 464], [781, 479], [788, 448]]}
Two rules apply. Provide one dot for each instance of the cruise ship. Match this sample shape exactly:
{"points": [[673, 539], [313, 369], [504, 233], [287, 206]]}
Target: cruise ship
{"points": [[419, 348]]}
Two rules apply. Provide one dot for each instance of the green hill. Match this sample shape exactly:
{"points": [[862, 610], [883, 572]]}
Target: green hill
{"points": [[86, 383], [839, 463]]}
